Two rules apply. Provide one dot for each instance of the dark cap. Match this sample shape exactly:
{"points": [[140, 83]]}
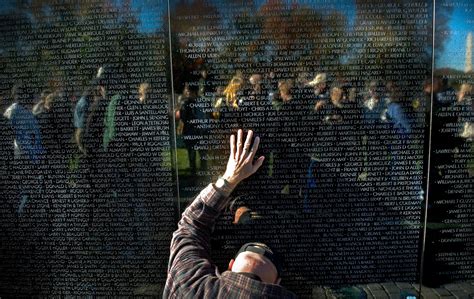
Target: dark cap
{"points": [[264, 250]]}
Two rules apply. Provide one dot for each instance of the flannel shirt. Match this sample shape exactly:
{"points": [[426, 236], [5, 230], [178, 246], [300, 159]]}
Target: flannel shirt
{"points": [[190, 272]]}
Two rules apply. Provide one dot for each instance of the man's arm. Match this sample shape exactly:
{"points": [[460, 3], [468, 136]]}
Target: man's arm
{"points": [[190, 272]]}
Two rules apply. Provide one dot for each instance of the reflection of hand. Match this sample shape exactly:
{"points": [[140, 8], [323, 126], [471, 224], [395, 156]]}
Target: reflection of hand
{"points": [[362, 177], [100, 72], [240, 164], [467, 130], [319, 105]]}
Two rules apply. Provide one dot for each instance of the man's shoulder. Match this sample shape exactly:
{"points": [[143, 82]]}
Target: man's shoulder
{"points": [[235, 284]]}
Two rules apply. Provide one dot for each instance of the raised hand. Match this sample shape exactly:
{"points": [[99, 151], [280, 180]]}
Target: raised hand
{"points": [[240, 165]]}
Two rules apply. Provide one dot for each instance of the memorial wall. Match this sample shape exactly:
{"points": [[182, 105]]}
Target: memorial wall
{"points": [[116, 113]]}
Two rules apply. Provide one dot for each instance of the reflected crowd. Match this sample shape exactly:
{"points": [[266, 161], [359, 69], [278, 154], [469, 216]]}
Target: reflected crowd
{"points": [[355, 131], [324, 139], [317, 127], [338, 153], [79, 186], [49, 134], [115, 114]]}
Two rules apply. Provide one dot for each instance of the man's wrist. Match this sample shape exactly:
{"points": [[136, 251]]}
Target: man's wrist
{"points": [[224, 186], [231, 179]]}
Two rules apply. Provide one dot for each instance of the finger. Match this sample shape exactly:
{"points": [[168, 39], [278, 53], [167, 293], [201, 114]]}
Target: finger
{"points": [[254, 149], [239, 144], [248, 142], [257, 164], [232, 146]]}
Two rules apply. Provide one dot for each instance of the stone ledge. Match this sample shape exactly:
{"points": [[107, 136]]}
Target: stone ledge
{"points": [[398, 290]]}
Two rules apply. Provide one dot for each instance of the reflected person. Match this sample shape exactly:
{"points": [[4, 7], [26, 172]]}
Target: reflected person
{"points": [[190, 115], [254, 273]]}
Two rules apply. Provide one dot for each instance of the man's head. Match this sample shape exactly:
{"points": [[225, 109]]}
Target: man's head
{"points": [[337, 95], [143, 90], [284, 86], [465, 91], [255, 79], [319, 83], [257, 259]]}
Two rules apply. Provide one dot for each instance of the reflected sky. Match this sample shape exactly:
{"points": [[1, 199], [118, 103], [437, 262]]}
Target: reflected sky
{"points": [[7, 6], [460, 24], [150, 14], [453, 56]]}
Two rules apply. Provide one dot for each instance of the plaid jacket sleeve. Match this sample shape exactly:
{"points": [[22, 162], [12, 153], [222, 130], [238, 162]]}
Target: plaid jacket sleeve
{"points": [[190, 272]]}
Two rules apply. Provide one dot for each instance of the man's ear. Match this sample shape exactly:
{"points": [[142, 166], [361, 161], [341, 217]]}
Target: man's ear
{"points": [[231, 263], [278, 280]]}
